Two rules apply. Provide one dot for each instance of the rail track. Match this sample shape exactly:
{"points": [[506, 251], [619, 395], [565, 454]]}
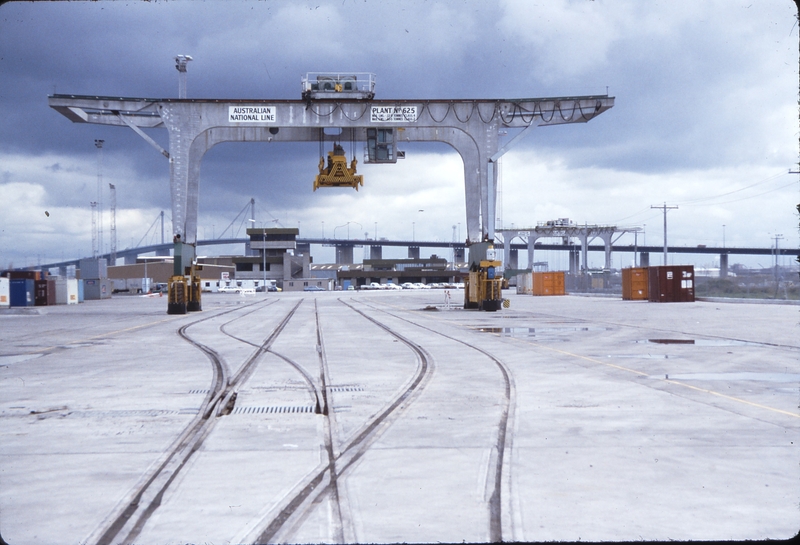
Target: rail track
{"points": [[503, 440], [125, 525], [280, 527], [407, 409], [341, 452], [325, 480]]}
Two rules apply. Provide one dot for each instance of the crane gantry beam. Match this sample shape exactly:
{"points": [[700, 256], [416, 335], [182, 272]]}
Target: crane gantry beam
{"points": [[471, 127]]}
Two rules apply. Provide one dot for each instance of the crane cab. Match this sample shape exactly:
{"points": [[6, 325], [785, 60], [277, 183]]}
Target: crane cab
{"points": [[337, 86], [336, 172]]}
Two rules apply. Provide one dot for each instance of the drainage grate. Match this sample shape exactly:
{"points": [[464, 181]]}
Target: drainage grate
{"points": [[273, 410], [123, 413], [345, 388]]}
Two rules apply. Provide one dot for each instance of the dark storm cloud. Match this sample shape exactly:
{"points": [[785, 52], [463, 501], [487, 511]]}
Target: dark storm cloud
{"points": [[688, 76]]}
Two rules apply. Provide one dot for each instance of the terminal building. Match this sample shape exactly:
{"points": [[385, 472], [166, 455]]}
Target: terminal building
{"points": [[429, 270]]}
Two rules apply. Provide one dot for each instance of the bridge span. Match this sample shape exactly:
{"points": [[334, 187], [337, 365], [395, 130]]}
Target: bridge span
{"points": [[130, 254]]}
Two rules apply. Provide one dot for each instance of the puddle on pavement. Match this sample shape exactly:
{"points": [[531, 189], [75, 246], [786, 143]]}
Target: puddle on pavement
{"points": [[701, 342], [762, 377], [534, 331]]}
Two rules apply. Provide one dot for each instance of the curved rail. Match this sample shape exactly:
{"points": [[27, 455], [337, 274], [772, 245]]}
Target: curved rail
{"points": [[147, 496], [502, 442], [325, 479], [317, 393]]}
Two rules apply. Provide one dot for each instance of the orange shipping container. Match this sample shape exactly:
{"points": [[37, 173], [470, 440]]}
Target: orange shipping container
{"points": [[548, 283], [634, 283]]}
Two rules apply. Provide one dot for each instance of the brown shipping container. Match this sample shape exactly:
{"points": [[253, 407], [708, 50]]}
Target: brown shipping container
{"points": [[671, 284], [27, 275], [44, 293], [634, 284], [548, 283]]}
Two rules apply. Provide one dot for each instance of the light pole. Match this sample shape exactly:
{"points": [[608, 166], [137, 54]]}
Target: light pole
{"points": [[723, 235], [348, 228], [99, 145]]}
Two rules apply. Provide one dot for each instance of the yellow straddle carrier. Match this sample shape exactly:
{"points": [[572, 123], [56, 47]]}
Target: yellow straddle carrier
{"points": [[336, 173]]}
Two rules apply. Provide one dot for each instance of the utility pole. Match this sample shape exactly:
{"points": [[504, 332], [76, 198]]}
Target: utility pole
{"points": [[113, 224], [776, 238], [665, 208]]}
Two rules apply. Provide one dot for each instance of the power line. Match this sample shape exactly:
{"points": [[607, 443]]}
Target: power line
{"points": [[745, 198], [770, 178]]}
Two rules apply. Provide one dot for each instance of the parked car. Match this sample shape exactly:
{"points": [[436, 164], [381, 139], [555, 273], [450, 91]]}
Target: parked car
{"points": [[408, 286], [372, 286], [391, 286], [313, 288]]}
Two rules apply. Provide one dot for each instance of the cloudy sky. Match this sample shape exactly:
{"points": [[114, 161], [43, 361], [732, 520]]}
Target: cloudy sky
{"points": [[706, 116]]}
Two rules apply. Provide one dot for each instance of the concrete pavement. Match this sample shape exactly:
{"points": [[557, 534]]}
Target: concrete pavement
{"points": [[627, 420]]}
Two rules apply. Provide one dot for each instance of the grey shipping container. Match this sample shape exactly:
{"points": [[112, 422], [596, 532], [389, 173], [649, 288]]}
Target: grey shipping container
{"points": [[96, 288], [60, 284], [94, 268]]}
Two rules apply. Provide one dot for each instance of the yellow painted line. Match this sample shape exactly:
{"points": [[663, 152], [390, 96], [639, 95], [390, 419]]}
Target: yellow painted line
{"points": [[108, 333], [634, 371], [132, 328], [712, 392], [640, 373]]}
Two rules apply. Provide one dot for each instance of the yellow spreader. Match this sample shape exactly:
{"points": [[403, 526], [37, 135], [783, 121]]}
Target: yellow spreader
{"points": [[336, 173]]}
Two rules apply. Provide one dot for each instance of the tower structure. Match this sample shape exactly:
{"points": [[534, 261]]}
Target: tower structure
{"points": [[94, 228], [113, 210], [99, 145]]}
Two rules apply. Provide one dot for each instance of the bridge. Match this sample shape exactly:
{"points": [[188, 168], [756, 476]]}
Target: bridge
{"points": [[131, 254]]}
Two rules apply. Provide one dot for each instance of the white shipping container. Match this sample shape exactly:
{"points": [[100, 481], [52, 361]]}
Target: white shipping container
{"points": [[132, 285], [72, 291], [525, 284], [5, 296]]}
